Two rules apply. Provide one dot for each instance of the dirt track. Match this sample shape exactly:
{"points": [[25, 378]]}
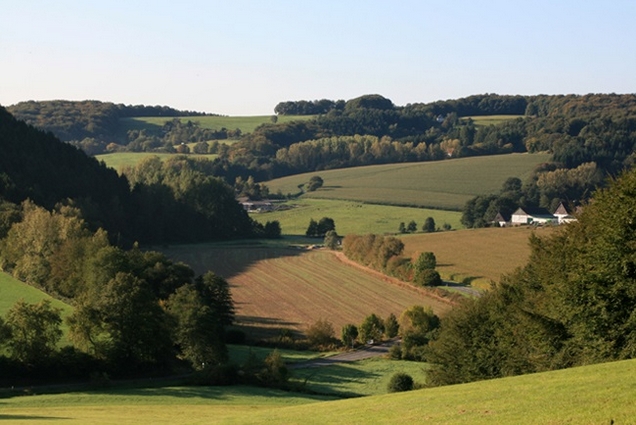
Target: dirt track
{"points": [[366, 352]]}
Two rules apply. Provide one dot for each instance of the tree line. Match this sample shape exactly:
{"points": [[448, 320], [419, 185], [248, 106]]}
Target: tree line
{"points": [[77, 120], [134, 311]]}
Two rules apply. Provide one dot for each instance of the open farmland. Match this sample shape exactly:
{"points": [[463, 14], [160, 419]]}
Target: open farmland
{"points": [[480, 256], [276, 288], [246, 124], [485, 120], [445, 184], [353, 217], [119, 160], [596, 394]]}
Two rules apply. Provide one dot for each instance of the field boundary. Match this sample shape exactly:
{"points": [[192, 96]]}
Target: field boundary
{"points": [[392, 280]]}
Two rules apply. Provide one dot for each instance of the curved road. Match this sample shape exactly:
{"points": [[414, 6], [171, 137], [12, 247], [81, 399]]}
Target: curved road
{"points": [[365, 352]]}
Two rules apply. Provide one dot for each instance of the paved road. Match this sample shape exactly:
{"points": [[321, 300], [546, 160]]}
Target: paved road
{"points": [[366, 352], [463, 288]]}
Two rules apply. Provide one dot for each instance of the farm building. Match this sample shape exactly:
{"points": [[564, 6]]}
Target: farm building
{"points": [[500, 220], [563, 215], [532, 216], [256, 206]]}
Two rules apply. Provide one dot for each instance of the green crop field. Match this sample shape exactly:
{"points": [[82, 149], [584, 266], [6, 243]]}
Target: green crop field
{"points": [[246, 124], [118, 160], [291, 288], [352, 217], [597, 394], [435, 184], [485, 120], [479, 255]]}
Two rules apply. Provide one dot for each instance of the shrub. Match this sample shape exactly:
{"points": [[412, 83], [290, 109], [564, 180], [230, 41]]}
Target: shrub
{"points": [[428, 277], [321, 333], [400, 382]]}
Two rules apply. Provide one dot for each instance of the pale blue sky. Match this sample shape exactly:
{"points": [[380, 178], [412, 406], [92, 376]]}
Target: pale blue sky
{"points": [[240, 57]]}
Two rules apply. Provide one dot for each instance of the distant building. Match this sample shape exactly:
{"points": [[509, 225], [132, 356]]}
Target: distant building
{"points": [[256, 206], [500, 220], [533, 216], [563, 215]]}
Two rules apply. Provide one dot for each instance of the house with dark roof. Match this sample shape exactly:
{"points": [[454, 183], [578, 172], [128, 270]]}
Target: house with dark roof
{"points": [[526, 215], [500, 220]]}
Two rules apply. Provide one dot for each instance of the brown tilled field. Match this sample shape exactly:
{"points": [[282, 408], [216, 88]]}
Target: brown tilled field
{"points": [[479, 255], [291, 288]]}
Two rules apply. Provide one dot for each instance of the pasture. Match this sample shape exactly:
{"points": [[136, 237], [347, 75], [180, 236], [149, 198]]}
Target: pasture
{"points": [[12, 291], [486, 120], [246, 124], [119, 160], [352, 217], [476, 256], [445, 184], [598, 394], [291, 288]]}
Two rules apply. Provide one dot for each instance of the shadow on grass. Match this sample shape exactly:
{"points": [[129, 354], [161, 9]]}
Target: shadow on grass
{"points": [[216, 393], [333, 379], [231, 259], [4, 417], [265, 328]]}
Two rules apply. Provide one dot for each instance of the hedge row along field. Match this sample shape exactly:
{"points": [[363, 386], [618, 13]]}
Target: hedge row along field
{"points": [[283, 288], [437, 184]]}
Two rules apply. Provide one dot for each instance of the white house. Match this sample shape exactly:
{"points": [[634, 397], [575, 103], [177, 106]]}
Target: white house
{"points": [[532, 216], [563, 215]]}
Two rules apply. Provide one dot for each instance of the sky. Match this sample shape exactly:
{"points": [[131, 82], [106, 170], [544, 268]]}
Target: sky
{"points": [[242, 57]]}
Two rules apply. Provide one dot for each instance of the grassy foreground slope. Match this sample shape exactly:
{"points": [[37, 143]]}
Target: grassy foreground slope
{"points": [[436, 184], [284, 288], [598, 394]]}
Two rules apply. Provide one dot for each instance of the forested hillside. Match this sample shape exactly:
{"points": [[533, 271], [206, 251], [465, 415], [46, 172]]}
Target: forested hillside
{"points": [[589, 138], [175, 206], [69, 226]]}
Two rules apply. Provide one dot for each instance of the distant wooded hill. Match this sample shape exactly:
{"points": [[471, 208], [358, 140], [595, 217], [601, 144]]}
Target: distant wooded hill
{"points": [[596, 132]]}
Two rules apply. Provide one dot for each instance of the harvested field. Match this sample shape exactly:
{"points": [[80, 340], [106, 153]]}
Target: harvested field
{"points": [[286, 288], [479, 256]]}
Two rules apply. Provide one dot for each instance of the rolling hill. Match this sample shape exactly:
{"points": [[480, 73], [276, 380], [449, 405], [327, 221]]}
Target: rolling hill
{"points": [[437, 184]]}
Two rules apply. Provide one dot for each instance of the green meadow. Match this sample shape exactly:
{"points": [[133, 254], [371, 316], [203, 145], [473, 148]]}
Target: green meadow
{"points": [[485, 120], [119, 160], [445, 184], [246, 124], [12, 291], [353, 217], [597, 394]]}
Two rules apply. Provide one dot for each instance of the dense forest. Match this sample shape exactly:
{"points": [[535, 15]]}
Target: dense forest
{"points": [[178, 203]]}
